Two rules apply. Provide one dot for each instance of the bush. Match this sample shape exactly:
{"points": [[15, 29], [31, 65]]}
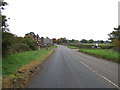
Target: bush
{"points": [[29, 41], [12, 43], [7, 41], [20, 47]]}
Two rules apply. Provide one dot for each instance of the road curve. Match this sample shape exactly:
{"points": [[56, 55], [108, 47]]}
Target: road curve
{"points": [[67, 68]]}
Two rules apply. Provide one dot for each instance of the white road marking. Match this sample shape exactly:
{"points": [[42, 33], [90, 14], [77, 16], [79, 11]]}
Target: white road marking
{"points": [[98, 73]]}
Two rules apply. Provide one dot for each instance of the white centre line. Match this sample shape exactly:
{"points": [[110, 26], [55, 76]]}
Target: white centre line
{"points": [[97, 73], [100, 75]]}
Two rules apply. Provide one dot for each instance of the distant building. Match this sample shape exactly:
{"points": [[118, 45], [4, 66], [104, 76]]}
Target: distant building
{"points": [[47, 41]]}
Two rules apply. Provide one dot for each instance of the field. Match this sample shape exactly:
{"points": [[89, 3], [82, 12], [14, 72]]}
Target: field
{"points": [[103, 53], [12, 63], [100, 44], [94, 44], [90, 45]]}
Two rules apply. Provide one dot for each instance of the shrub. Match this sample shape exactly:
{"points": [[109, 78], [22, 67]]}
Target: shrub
{"points": [[20, 47], [7, 41], [29, 41]]}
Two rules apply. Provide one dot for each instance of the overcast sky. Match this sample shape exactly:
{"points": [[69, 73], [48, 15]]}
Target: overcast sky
{"points": [[73, 19]]}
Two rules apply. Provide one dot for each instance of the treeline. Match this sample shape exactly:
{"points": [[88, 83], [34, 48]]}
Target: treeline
{"points": [[114, 38], [90, 46], [64, 40]]}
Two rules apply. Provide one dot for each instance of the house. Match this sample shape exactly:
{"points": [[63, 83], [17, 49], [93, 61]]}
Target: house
{"points": [[47, 41]]}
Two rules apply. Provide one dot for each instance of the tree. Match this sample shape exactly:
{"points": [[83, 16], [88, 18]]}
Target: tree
{"points": [[115, 36], [63, 40], [70, 41], [31, 33], [47, 37], [3, 18], [7, 41], [83, 41], [91, 41], [29, 40], [101, 41], [54, 40]]}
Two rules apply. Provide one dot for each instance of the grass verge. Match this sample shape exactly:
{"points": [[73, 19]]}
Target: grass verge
{"points": [[71, 47], [102, 53], [53, 47], [12, 63], [19, 68], [95, 44]]}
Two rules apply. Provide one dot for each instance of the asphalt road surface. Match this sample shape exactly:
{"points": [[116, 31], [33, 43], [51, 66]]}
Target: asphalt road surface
{"points": [[67, 68]]}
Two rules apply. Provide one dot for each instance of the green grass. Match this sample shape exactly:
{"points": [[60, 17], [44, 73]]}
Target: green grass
{"points": [[53, 47], [12, 63], [104, 53], [71, 47], [95, 44]]}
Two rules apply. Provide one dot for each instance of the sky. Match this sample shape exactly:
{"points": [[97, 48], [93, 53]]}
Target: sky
{"points": [[73, 19]]}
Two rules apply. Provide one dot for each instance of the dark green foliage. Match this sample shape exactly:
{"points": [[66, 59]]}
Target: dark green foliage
{"points": [[90, 41], [3, 18], [115, 38], [115, 35], [4, 24], [13, 44], [3, 4], [31, 33], [20, 47], [101, 41], [18, 39], [83, 41], [7, 41], [63, 40], [29, 42]]}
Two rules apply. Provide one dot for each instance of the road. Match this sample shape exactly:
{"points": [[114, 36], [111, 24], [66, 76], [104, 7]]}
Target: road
{"points": [[67, 68]]}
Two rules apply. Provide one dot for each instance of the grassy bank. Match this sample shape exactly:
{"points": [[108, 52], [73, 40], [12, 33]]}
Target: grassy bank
{"points": [[12, 63], [103, 53], [53, 47], [18, 69]]}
